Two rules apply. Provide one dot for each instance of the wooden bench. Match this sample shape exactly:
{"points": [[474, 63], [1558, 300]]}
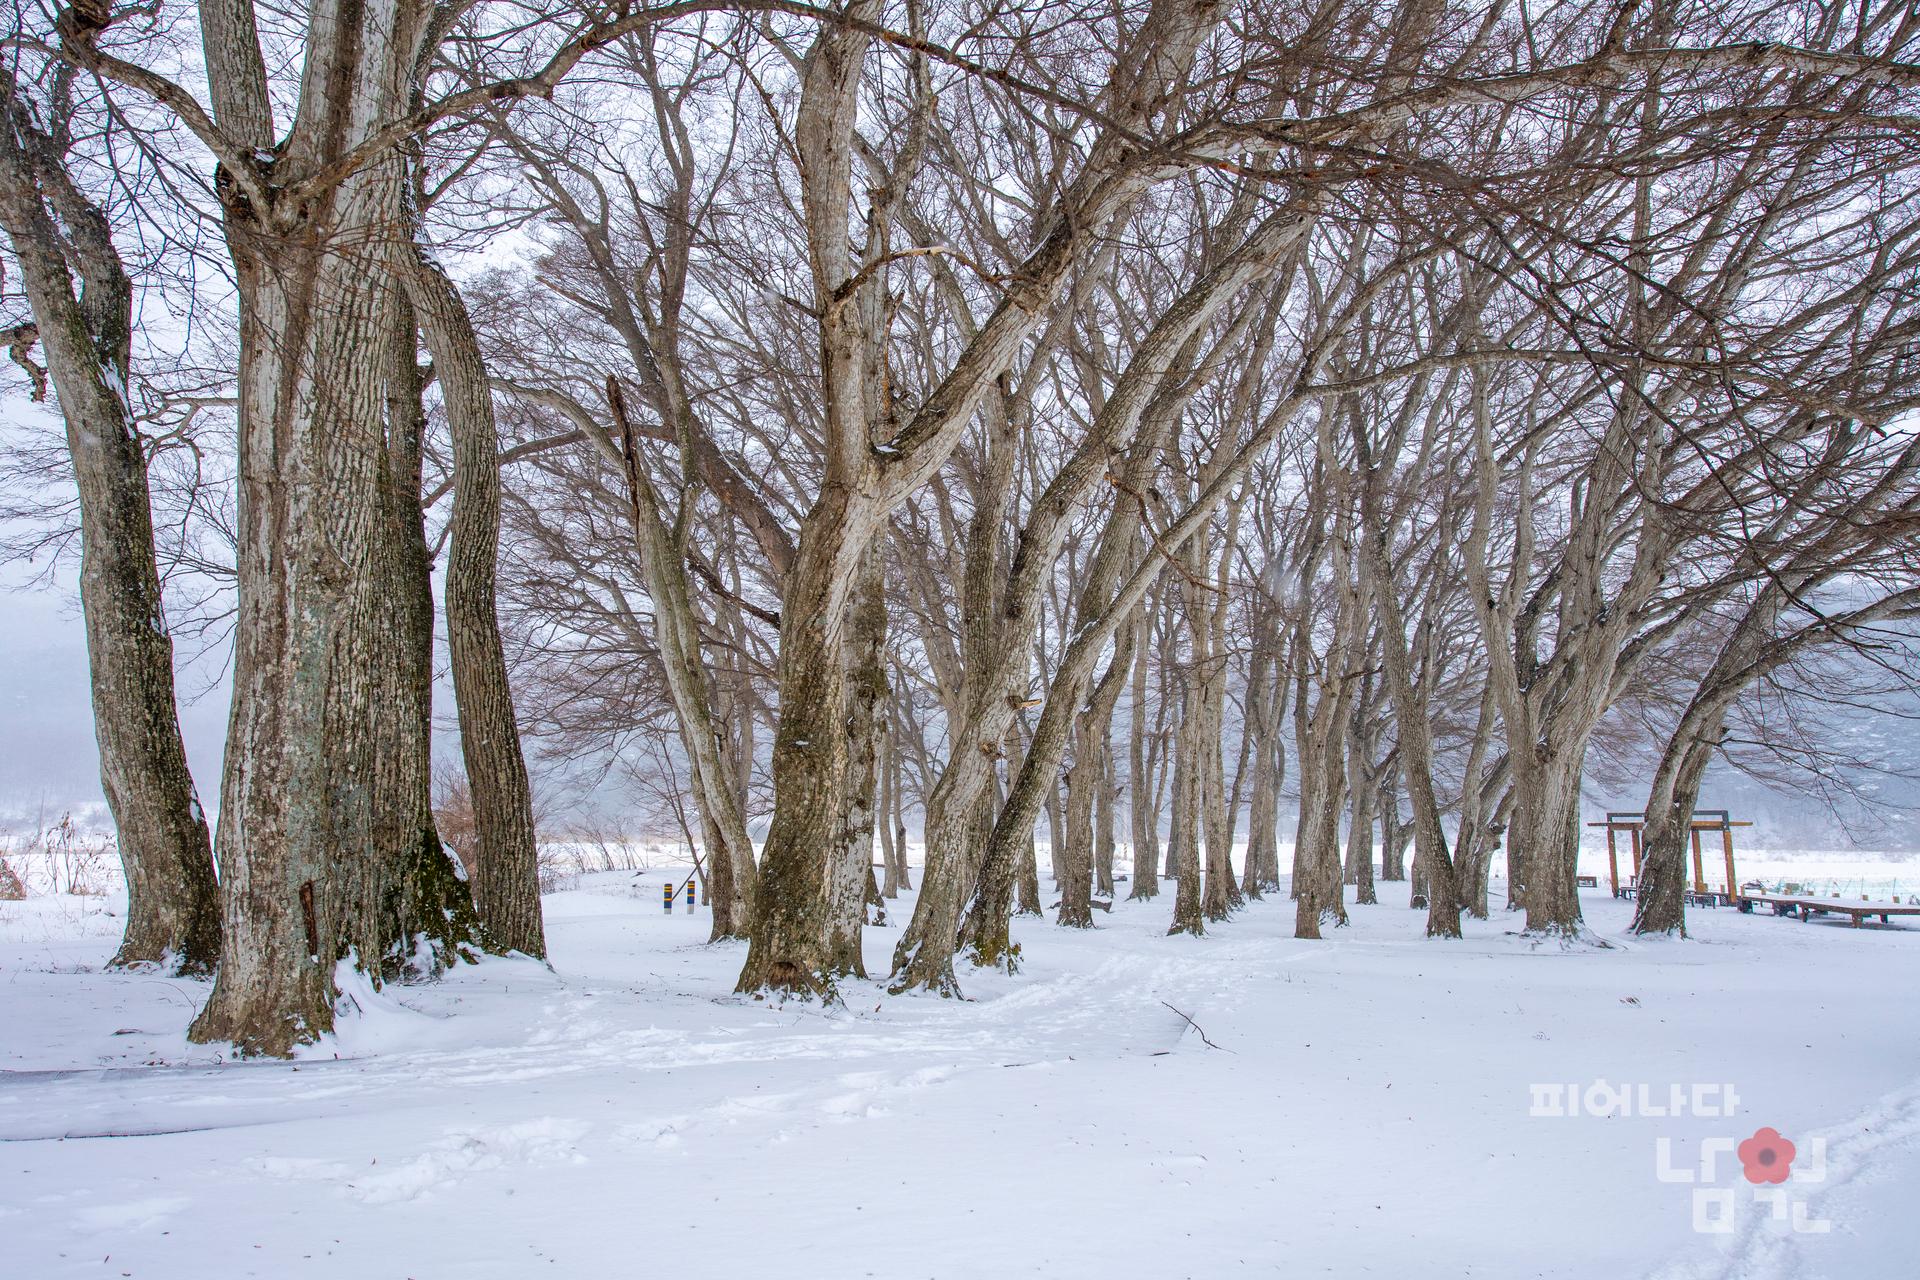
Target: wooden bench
{"points": [[1587, 882]]}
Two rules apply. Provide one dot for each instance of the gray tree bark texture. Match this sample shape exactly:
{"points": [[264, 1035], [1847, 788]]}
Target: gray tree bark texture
{"points": [[82, 299], [325, 847], [1142, 813]]}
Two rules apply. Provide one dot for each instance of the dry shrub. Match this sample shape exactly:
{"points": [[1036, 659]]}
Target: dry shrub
{"points": [[453, 815], [63, 858]]}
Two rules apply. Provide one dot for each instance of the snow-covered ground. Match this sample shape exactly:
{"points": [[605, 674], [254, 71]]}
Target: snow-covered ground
{"points": [[1368, 1105]]}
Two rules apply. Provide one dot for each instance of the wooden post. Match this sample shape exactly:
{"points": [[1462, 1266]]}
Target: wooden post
{"points": [[1613, 860], [1726, 847], [1699, 874], [1635, 832]]}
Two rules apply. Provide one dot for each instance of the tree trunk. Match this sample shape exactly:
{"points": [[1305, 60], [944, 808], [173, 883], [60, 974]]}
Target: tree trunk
{"points": [[1363, 792], [1393, 845], [1143, 812], [1089, 789], [1103, 820], [173, 915], [867, 695], [1660, 903], [689, 684], [792, 917], [1263, 798], [507, 887], [890, 857], [1547, 834], [861, 486], [412, 888], [1189, 915], [320, 682]]}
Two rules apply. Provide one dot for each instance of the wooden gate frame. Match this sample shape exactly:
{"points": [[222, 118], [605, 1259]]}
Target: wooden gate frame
{"points": [[1701, 820]]}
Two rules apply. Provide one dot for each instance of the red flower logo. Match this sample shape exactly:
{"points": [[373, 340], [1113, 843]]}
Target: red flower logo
{"points": [[1766, 1156]]}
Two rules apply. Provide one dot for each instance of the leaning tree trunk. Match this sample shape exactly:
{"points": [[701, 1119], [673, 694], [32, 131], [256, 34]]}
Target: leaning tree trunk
{"points": [[413, 891], [1660, 903], [1393, 832], [1263, 796], [1143, 813], [1436, 883], [1104, 849], [790, 950], [1189, 916], [1362, 793], [716, 781], [1093, 731], [1321, 732], [890, 861], [172, 900], [507, 888], [1221, 894]]}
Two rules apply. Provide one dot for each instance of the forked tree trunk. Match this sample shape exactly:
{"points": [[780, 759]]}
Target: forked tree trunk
{"points": [[172, 900], [321, 743], [1317, 890], [1138, 415], [1321, 729], [1435, 878]]}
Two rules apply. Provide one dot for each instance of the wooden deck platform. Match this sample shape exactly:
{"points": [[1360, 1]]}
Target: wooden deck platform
{"points": [[1807, 908]]}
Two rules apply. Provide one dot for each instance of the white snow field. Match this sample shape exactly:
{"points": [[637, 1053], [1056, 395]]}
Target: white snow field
{"points": [[1369, 1105]]}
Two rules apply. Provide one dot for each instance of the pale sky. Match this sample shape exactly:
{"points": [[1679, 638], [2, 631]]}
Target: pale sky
{"points": [[48, 760]]}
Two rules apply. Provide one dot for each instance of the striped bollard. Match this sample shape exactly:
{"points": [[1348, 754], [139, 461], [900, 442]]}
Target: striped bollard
{"points": [[666, 902], [692, 888]]}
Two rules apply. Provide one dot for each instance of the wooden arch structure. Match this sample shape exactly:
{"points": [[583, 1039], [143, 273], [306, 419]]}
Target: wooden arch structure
{"points": [[1703, 821]]}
